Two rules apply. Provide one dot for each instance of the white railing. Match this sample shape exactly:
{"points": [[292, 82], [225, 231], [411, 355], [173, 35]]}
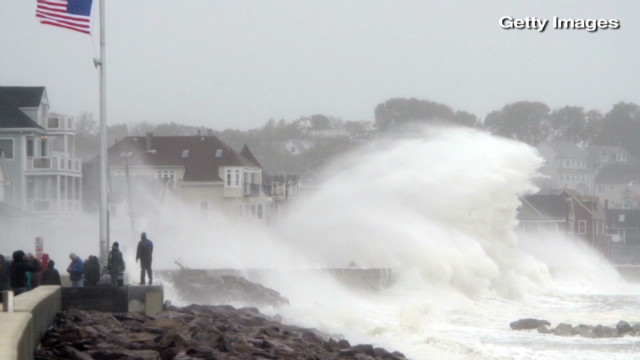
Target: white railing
{"points": [[53, 163], [55, 205], [59, 123]]}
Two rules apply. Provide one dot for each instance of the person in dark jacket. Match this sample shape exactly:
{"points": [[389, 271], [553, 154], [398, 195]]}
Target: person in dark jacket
{"points": [[144, 254], [51, 276], [91, 271], [18, 272], [76, 270], [116, 265], [34, 275]]}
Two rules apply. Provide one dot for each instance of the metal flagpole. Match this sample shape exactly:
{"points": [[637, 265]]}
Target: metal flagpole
{"points": [[104, 231]]}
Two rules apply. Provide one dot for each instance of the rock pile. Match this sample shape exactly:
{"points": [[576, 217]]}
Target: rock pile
{"points": [[199, 286], [193, 332], [623, 328]]}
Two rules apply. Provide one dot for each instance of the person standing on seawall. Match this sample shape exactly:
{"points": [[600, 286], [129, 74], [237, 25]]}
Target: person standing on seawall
{"points": [[76, 270], [50, 276], [18, 272], [115, 264], [143, 253]]}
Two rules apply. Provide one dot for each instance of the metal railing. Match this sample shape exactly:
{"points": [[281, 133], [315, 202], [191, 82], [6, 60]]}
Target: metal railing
{"points": [[251, 189], [53, 163]]}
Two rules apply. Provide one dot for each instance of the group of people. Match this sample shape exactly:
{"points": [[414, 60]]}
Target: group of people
{"points": [[26, 271]]}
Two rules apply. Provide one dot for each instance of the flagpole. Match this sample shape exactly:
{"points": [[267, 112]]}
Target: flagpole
{"points": [[104, 230]]}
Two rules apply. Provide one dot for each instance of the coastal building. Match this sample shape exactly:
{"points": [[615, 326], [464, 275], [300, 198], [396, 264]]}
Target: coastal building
{"points": [[564, 212], [545, 213], [602, 156], [42, 173], [567, 166], [201, 172], [618, 186]]}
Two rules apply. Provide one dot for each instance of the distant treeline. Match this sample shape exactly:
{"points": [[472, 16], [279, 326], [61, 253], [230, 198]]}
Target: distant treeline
{"points": [[527, 121]]}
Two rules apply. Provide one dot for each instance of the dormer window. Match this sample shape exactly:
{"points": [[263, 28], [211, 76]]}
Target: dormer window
{"points": [[219, 153], [185, 153]]}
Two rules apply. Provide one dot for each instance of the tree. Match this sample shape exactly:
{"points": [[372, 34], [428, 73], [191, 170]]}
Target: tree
{"points": [[569, 124], [621, 127], [525, 121], [464, 118], [400, 111]]}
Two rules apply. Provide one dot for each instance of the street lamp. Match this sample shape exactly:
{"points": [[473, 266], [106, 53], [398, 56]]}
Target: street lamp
{"points": [[127, 156]]}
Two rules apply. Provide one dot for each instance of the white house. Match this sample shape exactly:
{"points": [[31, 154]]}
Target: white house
{"points": [[567, 167], [201, 171], [44, 176]]}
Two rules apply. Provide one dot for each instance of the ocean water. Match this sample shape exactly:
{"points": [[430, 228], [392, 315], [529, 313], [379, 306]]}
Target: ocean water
{"points": [[439, 210]]}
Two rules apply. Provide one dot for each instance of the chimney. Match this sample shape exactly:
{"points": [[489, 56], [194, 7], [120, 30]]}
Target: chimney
{"points": [[149, 141]]}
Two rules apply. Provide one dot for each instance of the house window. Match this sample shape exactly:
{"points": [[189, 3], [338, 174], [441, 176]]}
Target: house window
{"points": [[43, 147], [168, 176], [6, 146], [582, 227], [185, 153], [237, 177], [228, 177], [219, 153], [30, 145], [621, 218]]}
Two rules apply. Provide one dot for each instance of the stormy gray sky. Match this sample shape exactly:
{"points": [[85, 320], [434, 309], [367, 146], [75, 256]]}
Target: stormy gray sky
{"points": [[238, 63]]}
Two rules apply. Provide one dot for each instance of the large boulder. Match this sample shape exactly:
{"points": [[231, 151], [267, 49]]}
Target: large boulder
{"points": [[528, 324]]}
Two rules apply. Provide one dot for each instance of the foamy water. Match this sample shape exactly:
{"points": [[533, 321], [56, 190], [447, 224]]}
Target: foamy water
{"points": [[439, 210]]}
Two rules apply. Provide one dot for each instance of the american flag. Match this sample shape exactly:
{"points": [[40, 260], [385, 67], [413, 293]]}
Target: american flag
{"points": [[69, 14]]}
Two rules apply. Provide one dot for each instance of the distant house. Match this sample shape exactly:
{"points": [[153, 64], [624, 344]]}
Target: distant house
{"points": [[618, 185], [548, 213], [567, 166], [43, 174], [588, 218], [564, 212], [201, 171], [624, 225], [295, 146], [602, 156]]}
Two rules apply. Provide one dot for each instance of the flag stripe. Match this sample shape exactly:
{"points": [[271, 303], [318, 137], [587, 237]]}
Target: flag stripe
{"points": [[65, 17], [69, 23], [69, 14], [48, 22]]}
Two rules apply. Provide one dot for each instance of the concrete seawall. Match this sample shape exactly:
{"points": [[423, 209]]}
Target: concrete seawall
{"points": [[33, 313]]}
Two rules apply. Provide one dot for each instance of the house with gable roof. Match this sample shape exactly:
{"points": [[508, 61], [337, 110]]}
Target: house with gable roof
{"points": [[564, 212], [567, 167], [202, 172], [602, 156], [43, 174], [549, 213], [618, 186]]}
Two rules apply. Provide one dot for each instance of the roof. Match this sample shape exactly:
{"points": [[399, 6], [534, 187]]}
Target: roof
{"points": [[548, 205], [14, 98], [568, 150], [618, 174], [201, 156], [595, 152]]}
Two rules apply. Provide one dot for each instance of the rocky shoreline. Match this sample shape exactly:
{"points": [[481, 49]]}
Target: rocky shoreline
{"points": [[190, 333], [621, 329]]}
